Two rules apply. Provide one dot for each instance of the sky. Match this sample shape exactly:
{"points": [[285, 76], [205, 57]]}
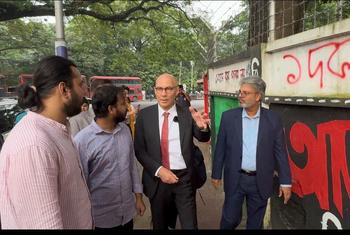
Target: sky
{"points": [[218, 11]]}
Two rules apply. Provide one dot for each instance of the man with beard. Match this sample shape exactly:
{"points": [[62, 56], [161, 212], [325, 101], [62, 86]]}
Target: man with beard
{"points": [[250, 142], [41, 182], [84, 118], [108, 160]]}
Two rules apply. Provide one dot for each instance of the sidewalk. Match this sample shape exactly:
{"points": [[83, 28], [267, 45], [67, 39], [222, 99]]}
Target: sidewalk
{"points": [[209, 202]]}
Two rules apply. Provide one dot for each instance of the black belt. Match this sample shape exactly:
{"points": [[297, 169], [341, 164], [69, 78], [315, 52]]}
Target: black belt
{"points": [[179, 171], [250, 173]]}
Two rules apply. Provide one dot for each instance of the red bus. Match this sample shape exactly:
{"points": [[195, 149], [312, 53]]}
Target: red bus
{"points": [[134, 84], [25, 78]]}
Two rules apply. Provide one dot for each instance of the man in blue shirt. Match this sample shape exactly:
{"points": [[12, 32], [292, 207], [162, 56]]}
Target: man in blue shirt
{"points": [[250, 142], [107, 156]]}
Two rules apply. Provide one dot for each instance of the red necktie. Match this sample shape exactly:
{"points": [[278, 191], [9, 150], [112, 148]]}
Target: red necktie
{"points": [[164, 144]]}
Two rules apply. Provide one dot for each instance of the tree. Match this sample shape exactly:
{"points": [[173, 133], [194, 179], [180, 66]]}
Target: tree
{"points": [[157, 42], [143, 48], [105, 10], [22, 44], [234, 34]]}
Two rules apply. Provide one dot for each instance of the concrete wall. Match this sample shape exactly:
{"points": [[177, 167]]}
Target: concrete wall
{"points": [[224, 76], [223, 83], [308, 83], [315, 63]]}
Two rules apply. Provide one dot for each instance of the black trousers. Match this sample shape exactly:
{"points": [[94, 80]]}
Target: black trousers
{"points": [[182, 196]]}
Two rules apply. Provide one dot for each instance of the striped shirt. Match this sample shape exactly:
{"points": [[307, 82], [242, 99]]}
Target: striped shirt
{"points": [[41, 180]]}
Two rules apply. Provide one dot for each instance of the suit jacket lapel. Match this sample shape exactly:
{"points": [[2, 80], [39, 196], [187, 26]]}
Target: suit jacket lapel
{"points": [[238, 127], [154, 125], [262, 125], [182, 125]]}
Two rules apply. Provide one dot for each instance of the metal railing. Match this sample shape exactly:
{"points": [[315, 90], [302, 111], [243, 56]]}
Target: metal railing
{"points": [[270, 20]]}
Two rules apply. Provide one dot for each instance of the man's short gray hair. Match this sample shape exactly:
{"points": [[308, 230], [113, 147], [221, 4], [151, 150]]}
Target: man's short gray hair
{"points": [[256, 82]]}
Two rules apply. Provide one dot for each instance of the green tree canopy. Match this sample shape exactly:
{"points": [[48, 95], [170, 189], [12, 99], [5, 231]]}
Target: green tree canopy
{"points": [[156, 43], [106, 10]]}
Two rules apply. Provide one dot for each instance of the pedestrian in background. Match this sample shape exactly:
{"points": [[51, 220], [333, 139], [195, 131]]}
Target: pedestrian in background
{"points": [[164, 147], [107, 155], [131, 113], [41, 181], [84, 118], [250, 142], [182, 98]]}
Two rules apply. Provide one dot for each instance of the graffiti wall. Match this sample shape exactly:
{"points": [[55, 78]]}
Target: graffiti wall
{"points": [[223, 80], [320, 69], [308, 83], [224, 76], [318, 142]]}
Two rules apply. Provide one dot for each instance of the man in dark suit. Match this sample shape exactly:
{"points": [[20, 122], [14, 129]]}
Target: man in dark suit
{"points": [[250, 142], [164, 147]]}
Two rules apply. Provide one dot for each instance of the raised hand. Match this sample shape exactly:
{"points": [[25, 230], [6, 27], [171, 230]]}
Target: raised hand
{"points": [[202, 119]]}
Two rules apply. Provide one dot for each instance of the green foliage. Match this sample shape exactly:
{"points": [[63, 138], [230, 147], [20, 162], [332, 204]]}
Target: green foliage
{"points": [[22, 44], [158, 41], [318, 13], [145, 48], [233, 38]]}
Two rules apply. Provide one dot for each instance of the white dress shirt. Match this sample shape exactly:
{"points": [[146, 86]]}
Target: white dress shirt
{"points": [[176, 159]]}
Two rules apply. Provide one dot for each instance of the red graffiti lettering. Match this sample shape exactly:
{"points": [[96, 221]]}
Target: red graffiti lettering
{"points": [[333, 48], [313, 177], [291, 78], [326, 54]]}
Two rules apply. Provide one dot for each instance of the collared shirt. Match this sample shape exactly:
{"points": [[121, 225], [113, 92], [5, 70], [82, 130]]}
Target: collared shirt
{"points": [[41, 181], [176, 159], [110, 169], [250, 127], [81, 120]]}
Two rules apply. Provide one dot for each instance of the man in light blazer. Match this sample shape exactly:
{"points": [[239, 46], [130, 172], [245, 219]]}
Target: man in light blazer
{"points": [[168, 183], [249, 148]]}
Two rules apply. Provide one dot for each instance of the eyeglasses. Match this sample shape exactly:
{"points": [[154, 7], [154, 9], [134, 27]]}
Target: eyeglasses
{"points": [[166, 89], [244, 93]]}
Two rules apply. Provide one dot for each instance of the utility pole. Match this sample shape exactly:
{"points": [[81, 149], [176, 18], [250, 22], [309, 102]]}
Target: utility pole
{"points": [[192, 82], [60, 43], [180, 72]]}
